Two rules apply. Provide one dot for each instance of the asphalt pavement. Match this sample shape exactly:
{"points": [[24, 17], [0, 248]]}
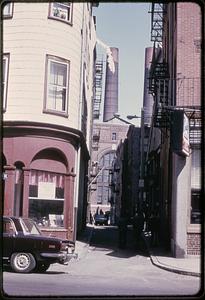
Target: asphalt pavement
{"points": [[191, 265]]}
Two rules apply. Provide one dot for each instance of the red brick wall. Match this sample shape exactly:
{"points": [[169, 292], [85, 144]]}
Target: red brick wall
{"points": [[193, 244], [188, 54]]}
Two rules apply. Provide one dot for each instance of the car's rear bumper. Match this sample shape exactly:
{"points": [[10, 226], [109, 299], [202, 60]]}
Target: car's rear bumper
{"points": [[61, 257]]}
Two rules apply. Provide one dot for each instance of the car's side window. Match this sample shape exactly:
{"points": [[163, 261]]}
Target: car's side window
{"points": [[8, 227]]}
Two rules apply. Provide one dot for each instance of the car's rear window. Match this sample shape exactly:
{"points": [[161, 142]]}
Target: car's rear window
{"points": [[30, 227], [8, 227]]}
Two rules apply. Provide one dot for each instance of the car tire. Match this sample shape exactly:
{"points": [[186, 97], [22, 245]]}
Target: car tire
{"points": [[22, 262], [42, 267]]}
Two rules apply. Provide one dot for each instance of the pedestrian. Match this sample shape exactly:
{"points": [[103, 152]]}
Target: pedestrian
{"points": [[122, 229], [138, 226], [154, 228], [91, 218]]}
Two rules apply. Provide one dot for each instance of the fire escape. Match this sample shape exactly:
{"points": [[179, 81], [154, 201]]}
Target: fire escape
{"points": [[159, 75], [98, 89]]}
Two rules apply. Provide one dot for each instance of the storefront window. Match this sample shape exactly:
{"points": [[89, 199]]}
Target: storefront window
{"points": [[46, 198]]}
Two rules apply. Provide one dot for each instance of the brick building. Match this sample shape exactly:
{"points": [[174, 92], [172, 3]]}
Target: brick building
{"points": [[173, 164]]}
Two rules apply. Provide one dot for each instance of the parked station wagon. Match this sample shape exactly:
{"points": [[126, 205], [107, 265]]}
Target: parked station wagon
{"points": [[26, 249]]}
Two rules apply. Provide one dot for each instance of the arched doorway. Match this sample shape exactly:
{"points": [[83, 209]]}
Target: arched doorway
{"points": [[47, 188]]}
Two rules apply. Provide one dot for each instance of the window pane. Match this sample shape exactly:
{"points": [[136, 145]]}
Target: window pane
{"points": [[61, 10], [7, 9], [58, 73], [8, 227], [196, 168], [195, 207]]}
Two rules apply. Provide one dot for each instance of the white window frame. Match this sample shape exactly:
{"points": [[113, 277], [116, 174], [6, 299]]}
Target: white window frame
{"points": [[67, 6], [10, 10], [54, 109], [5, 80]]}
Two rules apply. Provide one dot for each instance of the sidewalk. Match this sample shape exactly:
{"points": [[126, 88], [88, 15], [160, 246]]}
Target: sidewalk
{"points": [[187, 266]]}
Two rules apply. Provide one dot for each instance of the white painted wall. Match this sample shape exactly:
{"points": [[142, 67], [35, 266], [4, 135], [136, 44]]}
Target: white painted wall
{"points": [[28, 37]]}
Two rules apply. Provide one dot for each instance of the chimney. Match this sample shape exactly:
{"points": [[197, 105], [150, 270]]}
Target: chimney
{"points": [[111, 87]]}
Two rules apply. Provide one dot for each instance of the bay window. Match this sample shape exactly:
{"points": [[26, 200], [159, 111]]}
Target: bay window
{"points": [[57, 85], [46, 198]]}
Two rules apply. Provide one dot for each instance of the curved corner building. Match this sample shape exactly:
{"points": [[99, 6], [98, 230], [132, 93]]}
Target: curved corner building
{"points": [[47, 74]]}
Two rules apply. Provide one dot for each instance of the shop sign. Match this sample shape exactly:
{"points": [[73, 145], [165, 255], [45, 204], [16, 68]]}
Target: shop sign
{"points": [[180, 133], [185, 136]]}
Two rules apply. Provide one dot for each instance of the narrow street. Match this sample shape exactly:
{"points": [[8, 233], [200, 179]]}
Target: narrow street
{"points": [[103, 270]]}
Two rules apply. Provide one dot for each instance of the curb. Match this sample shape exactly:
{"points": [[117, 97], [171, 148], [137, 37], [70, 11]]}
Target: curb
{"points": [[157, 263]]}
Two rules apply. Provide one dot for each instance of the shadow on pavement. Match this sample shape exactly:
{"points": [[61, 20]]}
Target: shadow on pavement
{"points": [[107, 238]]}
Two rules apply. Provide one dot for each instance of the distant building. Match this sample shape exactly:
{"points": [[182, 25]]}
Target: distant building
{"points": [[106, 137], [48, 58], [126, 174]]}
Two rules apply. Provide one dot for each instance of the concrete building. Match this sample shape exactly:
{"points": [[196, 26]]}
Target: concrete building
{"points": [[48, 58], [173, 168]]}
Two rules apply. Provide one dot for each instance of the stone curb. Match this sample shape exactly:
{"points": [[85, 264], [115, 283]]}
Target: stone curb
{"points": [[160, 265]]}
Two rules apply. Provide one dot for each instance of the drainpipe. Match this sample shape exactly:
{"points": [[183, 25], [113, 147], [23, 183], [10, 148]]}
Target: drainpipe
{"points": [[78, 152]]}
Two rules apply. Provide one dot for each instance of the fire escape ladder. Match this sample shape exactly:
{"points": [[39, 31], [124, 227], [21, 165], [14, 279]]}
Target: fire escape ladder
{"points": [[157, 19], [98, 89]]}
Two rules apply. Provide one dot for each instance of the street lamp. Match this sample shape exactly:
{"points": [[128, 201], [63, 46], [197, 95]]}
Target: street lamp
{"points": [[130, 117]]}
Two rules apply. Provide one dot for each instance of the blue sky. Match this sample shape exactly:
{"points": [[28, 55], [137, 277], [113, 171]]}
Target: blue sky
{"points": [[127, 26]]}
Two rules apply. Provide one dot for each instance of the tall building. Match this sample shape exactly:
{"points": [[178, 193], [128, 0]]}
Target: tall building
{"points": [[48, 58], [173, 166]]}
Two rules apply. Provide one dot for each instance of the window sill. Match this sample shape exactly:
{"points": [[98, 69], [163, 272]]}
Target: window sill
{"points": [[60, 20], [48, 229], [7, 17], [56, 113], [194, 228]]}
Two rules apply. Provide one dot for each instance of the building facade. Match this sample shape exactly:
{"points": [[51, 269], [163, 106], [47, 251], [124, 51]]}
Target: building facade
{"points": [[48, 58], [173, 165], [125, 176], [106, 137]]}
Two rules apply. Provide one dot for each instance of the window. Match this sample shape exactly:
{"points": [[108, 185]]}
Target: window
{"points": [[57, 85], [114, 136], [61, 11], [195, 186], [46, 198], [5, 79], [195, 207], [8, 10], [8, 227], [103, 180]]}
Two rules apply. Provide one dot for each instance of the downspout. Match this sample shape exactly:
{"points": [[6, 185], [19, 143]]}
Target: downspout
{"points": [[78, 152]]}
